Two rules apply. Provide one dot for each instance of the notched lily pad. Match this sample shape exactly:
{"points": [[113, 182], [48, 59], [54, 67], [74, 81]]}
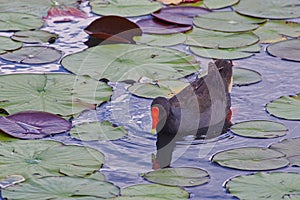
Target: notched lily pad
{"points": [[244, 77], [288, 49], [102, 131], [263, 186], [33, 124], [33, 55], [36, 36], [183, 176], [251, 158], [6, 44], [259, 129]]}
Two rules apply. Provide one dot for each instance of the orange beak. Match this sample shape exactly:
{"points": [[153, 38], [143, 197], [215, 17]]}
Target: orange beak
{"points": [[155, 118]]}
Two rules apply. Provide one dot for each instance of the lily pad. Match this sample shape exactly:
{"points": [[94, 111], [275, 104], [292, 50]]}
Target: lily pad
{"points": [[6, 44], [288, 49], [55, 93], [262, 186], [271, 9], [164, 88], [36, 36], [121, 62], [227, 22], [217, 4], [156, 26], [251, 158], [183, 176], [97, 131], [291, 148], [161, 40], [11, 180], [259, 129], [33, 55], [212, 39], [144, 191], [62, 188], [285, 107], [39, 158], [11, 21], [182, 15], [5, 137], [243, 76], [124, 8]]}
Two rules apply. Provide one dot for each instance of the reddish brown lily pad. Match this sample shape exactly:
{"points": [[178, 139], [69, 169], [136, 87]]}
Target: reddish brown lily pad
{"points": [[182, 15], [156, 26], [113, 28], [33, 124]]}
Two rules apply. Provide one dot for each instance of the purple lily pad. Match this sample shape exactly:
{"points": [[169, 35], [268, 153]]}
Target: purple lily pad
{"points": [[33, 124], [183, 15], [156, 26]]}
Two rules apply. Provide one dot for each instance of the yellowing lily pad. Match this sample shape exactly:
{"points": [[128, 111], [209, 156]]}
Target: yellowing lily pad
{"points": [[263, 186], [251, 158], [182, 176], [288, 49], [243, 76], [217, 4], [259, 129], [161, 40], [36, 36], [6, 44]]}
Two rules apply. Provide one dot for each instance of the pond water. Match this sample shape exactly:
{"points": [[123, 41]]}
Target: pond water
{"points": [[128, 157]]}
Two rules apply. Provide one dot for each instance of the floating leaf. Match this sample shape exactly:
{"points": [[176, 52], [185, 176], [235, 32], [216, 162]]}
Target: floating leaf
{"points": [[144, 191], [285, 107], [288, 49], [251, 158], [164, 88], [156, 26], [271, 9], [227, 22], [262, 186], [183, 176], [259, 129], [11, 180], [124, 8], [217, 4], [55, 93], [68, 13], [33, 55], [6, 44], [120, 62], [97, 131], [36, 36], [62, 188], [4, 137], [212, 39], [243, 76], [33, 124], [161, 40], [291, 148], [39, 158], [11, 21], [182, 15]]}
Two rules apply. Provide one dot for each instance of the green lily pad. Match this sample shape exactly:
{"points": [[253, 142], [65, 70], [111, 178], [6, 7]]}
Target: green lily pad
{"points": [[164, 88], [38, 158], [285, 107], [11, 21], [277, 30], [6, 44], [227, 22], [55, 93], [144, 191], [259, 129], [97, 131], [271, 9], [36, 36], [61, 188], [11, 180], [124, 8], [288, 49], [212, 39], [121, 62], [217, 4], [291, 148], [33, 55], [243, 76], [183, 176], [251, 158], [5, 137], [263, 186], [161, 40]]}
